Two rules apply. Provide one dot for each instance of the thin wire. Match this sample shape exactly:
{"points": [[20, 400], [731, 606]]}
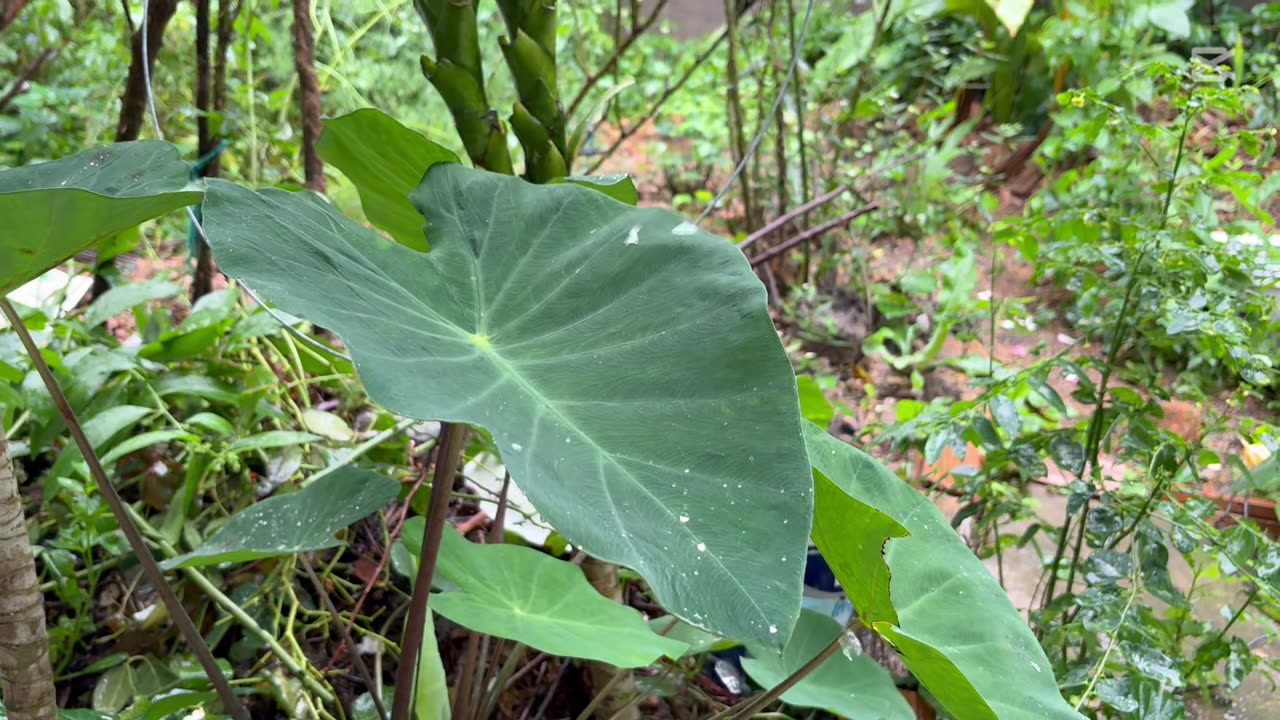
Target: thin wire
{"points": [[191, 214], [764, 122]]}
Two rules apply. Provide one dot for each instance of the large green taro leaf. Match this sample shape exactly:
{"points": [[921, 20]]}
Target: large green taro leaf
{"points": [[851, 686], [927, 593], [624, 362], [521, 594], [54, 210], [385, 160]]}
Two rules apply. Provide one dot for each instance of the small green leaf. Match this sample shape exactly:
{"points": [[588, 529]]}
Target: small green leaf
{"points": [[386, 161], [521, 594], [54, 210], [125, 297], [147, 439], [271, 439], [212, 422], [1006, 414], [328, 425], [302, 521], [698, 640], [851, 687]]}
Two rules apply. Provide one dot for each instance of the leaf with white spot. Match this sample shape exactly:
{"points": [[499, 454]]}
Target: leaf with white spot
{"points": [[624, 362]]}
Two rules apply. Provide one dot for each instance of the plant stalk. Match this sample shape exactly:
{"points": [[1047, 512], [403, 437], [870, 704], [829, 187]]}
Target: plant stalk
{"points": [[448, 454]]}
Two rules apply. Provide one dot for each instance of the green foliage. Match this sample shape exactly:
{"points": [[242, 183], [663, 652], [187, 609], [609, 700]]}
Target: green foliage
{"points": [[521, 594], [848, 684], [304, 521], [541, 322], [56, 209]]}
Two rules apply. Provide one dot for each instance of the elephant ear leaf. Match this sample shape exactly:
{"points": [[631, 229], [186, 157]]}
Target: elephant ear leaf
{"points": [[55, 209], [624, 362], [916, 583]]}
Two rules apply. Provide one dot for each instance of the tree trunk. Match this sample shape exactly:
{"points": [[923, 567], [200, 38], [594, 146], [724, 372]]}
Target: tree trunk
{"points": [[304, 60], [25, 674], [604, 578], [9, 10], [133, 102]]}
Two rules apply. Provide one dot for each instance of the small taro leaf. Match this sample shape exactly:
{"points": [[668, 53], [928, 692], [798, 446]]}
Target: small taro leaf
{"points": [[624, 362], [328, 425], [431, 692], [856, 687], [120, 299], [385, 161], [271, 439], [54, 210], [619, 187], [521, 594], [302, 521], [813, 404], [991, 669]]}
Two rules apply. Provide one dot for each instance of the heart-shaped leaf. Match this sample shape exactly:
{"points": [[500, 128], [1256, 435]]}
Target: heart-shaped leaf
{"points": [[521, 594], [54, 210], [851, 686], [924, 591], [624, 362], [302, 521]]}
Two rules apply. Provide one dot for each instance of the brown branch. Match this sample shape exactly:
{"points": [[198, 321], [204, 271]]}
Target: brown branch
{"points": [[662, 99], [627, 42], [9, 10], [20, 82], [811, 233], [807, 207], [304, 60]]}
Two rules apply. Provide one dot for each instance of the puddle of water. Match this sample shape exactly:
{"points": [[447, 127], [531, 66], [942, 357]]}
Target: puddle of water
{"points": [[1256, 699]]}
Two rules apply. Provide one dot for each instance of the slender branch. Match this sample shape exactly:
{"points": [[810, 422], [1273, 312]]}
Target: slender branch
{"points": [[627, 42], [788, 217], [448, 453], [662, 99], [777, 103], [811, 233], [20, 82], [195, 641]]}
